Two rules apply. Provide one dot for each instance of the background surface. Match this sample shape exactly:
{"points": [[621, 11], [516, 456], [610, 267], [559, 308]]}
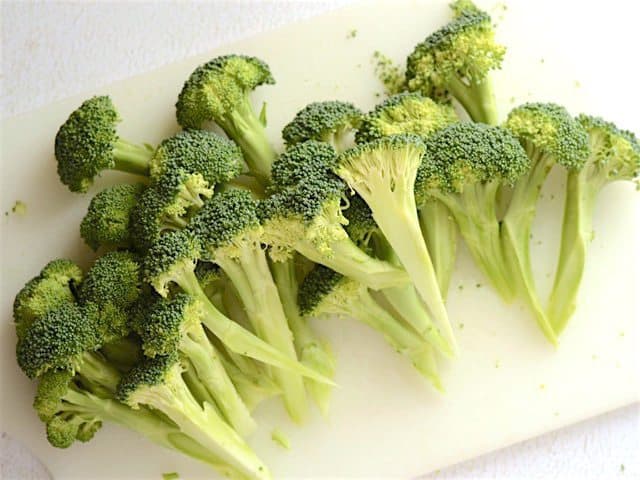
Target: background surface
{"points": [[53, 50]]}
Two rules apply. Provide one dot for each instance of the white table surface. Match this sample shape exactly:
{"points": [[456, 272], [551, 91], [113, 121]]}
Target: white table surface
{"points": [[52, 50]]}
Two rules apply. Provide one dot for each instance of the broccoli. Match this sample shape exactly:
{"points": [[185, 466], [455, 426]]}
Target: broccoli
{"points": [[107, 221], [55, 285], [158, 383], [219, 91], [614, 155], [229, 231], [465, 166], [456, 60], [383, 173], [330, 122], [312, 351], [411, 113], [217, 159], [171, 260], [305, 215], [87, 143], [550, 136], [326, 292]]}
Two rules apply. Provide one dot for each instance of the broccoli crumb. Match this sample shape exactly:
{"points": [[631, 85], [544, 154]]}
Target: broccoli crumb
{"points": [[594, 357], [542, 386], [478, 285], [622, 334], [280, 439], [512, 100], [19, 208], [460, 287], [461, 326], [542, 60], [352, 33], [388, 73], [171, 476], [497, 365], [556, 414], [576, 84], [622, 467]]}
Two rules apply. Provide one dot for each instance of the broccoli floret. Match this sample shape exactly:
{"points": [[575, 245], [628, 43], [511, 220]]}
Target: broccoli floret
{"points": [[330, 122], [405, 113], [460, 7], [457, 60], [55, 285], [230, 232], [550, 136], [308, 159], [107, 221], [158, 383], [325, 292], [219, 91], [614, 155], [383, 173], [175, 326], [217, 159], [171, 260], [87, 143], [166, 205]]}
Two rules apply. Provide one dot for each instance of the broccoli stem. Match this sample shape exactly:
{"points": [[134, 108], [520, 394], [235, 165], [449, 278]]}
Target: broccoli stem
{"points": [[407, 303], [440, 235], [477, 98], [312, 351], [245, 128], [251, 275], [237, 338], [96, 370], [199, 391], [515, 233], [211, 372], [577, 233], [349, 260], [131, 158]]}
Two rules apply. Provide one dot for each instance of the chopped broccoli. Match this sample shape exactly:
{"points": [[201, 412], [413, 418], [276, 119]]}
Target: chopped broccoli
{"points": [[171, 260], [550, 136], [219, 91], [614, 156], [326, 292], [465, 166], [19, 208], [87, 143], [330, 122], [281, 439], [456, 60], [383, 173], [107, 221]]}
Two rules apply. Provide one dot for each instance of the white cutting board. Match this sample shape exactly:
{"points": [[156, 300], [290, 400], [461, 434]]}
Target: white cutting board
{"points": [[507, 385]]}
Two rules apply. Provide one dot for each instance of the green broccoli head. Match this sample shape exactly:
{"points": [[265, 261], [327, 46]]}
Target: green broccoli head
{"points": [[64, 430], [405, 113], [329, 121], [148, 380], [85, 142], [326, 292], [465, 154], [169, 259], [217, 159], [226, 224], [309, 211], [614, 153], [463, 51], [219, 87], [56, 285], [58, 340], [166, 323], [107, 222], [361, 224], [166, 205], [547, 130], [305, 160]]}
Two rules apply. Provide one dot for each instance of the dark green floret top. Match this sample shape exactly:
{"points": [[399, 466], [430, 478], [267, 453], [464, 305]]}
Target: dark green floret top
{"points": [[148, 373], [107, 221], [305, 160], [361, 223], [316, 286], [216, 88], [320, 121], [548, 129], [114, 278]]}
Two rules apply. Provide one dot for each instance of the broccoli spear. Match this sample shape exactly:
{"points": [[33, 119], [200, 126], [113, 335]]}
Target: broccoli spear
{"points": [[87, 143], [230, 232], [457, 60], [550, 136], [614, 156], [326, 292], [219, 91], [171, 260]]}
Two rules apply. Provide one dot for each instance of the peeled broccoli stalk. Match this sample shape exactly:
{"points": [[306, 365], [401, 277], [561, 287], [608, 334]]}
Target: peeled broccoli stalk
{"points": [[477, 98], [312, 351], [441, 237], [158, 384], [407, 303], [132, 158]]}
